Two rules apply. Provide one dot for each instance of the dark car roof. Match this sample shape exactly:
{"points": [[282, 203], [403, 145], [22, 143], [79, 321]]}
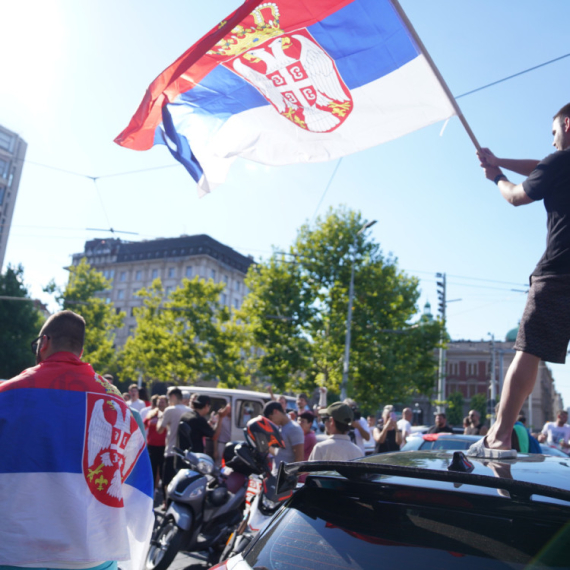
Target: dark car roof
{"points": [[544, 470]]}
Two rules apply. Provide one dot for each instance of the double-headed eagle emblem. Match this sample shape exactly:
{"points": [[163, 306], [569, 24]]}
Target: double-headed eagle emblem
{"points": [[113, 444]]}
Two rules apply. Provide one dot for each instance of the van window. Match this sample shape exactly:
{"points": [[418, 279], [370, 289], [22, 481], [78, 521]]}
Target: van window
{"points": [[217, 403], [246, 410]]}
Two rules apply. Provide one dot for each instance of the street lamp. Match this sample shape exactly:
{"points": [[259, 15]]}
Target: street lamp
{"points": [[349, 315]]}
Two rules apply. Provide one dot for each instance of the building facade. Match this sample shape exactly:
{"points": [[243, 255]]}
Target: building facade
{"points": [[134, 265], [12, 155]]}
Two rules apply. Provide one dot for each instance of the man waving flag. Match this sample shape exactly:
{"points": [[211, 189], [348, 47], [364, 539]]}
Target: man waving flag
{"points": [[288, 81]]}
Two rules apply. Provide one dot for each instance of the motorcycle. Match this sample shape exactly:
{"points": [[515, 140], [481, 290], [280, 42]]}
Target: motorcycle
{"points": [[202, 510], [262, 500]]}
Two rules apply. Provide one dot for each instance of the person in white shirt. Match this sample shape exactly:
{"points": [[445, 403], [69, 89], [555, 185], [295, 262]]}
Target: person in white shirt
{"points": [[169, 420], [337, 418], [360, 426], [135, 402], [405, 425], [557, 433]]}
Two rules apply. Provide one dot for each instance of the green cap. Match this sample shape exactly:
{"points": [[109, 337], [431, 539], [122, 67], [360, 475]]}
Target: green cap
{"points": [[340, 412]]}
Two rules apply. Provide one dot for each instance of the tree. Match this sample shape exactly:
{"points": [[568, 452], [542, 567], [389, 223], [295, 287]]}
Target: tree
{"points": [[21, 323], [81, 295], [186, 336], [297, 306], [454, 412]]}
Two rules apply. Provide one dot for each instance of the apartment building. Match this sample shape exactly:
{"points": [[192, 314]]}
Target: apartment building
{"points": [[133, 265]]}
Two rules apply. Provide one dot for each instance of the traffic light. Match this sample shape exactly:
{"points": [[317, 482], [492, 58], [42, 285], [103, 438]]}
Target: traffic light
{"points": [[441, 294]]}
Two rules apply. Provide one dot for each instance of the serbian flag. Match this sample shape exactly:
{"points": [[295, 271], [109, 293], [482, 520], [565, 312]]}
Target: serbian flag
{"points": [[75, 479], [288, 81]]}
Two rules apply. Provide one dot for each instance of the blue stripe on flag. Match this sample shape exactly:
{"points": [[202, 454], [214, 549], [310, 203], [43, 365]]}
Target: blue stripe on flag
{"points": [[141, 476], [367, 40], [42, 430]]}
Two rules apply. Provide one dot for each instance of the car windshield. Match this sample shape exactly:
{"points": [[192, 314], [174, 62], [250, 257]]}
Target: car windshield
{"points": [[327, 530]]}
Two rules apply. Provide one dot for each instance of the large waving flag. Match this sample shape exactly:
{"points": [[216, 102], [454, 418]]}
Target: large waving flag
{"points": [[75, 478], [288, 81]]}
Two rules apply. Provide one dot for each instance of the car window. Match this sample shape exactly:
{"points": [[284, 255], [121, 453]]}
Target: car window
{"points": [[246, 410], [328, 529]]}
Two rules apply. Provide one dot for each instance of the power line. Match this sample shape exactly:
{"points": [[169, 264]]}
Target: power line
{"points": [[512, 76], [326, 189]]}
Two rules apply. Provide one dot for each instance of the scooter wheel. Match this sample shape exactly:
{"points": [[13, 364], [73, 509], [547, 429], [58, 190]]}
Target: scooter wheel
{"points": [[164, 546]]}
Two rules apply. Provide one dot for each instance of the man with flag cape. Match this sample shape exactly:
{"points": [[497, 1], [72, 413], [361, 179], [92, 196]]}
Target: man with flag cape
{"points": [[75, 478]]}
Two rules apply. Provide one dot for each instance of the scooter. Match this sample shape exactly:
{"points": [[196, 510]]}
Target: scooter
{"points": [[202, 512]]}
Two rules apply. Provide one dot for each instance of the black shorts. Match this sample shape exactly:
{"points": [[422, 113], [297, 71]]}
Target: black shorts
{"points": [[544, 330]]}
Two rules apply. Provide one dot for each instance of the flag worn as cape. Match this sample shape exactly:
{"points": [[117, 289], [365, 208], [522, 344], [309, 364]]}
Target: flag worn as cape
{"points": [[288, 81], [75, 478]]}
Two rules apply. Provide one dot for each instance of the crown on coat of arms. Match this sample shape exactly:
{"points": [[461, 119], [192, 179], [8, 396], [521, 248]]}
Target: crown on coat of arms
{"points": [[253, 30]]}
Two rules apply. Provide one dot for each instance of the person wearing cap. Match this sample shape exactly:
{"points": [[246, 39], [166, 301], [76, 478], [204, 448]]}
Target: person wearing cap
{"points": [[199, 426], [338, 418], [360, 425]]}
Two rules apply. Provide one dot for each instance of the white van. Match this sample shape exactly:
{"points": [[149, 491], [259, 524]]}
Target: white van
{"points": [[245, 404]]}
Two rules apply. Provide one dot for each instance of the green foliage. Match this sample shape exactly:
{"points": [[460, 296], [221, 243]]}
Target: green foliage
{"points": [[479, 403], [454, 410], [81, 295], [186, 336], [20, 324], [296, 313]]}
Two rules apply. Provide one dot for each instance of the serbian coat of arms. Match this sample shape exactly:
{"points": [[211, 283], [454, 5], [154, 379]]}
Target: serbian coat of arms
{"points": [[291, 70], [113, 443]]}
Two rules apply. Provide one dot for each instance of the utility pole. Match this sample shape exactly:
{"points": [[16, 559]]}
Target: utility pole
{"points": [[442, 303], [346, 360]]}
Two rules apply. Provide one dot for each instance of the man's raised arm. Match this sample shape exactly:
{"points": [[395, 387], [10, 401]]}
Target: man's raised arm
{"points": [[524, 166], [513, 193]]}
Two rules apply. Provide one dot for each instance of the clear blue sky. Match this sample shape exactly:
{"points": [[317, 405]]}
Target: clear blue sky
{"points": [[73, 73]]}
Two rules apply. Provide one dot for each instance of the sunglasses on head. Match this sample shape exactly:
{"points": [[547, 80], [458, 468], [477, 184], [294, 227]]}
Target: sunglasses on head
{"points": [[36, 341]]}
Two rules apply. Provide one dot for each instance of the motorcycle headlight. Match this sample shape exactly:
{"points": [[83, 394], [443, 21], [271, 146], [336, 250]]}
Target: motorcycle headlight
{"points": [[205, 467], [270, 505]]}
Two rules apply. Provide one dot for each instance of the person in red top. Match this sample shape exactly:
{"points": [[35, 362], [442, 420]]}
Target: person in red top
{"points": [[306, 420], [155, 441]]}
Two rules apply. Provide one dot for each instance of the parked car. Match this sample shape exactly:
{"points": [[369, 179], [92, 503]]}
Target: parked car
{"points": [[429, 441], [431, 509]]}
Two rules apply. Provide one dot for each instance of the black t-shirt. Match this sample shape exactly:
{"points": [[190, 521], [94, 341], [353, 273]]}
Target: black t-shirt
{"points": [[444, 429], [200, 429], [390, 443], [550, 181]]}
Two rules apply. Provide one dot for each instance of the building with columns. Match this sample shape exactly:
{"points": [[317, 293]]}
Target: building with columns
{"points": [[134, 265]]}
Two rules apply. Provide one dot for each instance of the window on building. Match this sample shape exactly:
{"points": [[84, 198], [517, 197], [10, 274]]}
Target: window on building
{"points": [[2, 191], [226, 279], [189, 271], [123, 276], [135, 291], [472, 368], [236, 303], [112, 274], [4, 168], [121, 294], [108, 300], [138, 275], [6, 141], [213, 274], [117, 310], [237, 286], [169, 290], [154, 273], [224, 298], [171, 272], [133, 311]]}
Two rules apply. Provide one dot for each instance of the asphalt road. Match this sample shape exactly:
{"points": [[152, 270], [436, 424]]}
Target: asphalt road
{"points": [[185, 562]]}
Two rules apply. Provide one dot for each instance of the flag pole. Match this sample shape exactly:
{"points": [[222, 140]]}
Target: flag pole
{"points": [[440, 78]]}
